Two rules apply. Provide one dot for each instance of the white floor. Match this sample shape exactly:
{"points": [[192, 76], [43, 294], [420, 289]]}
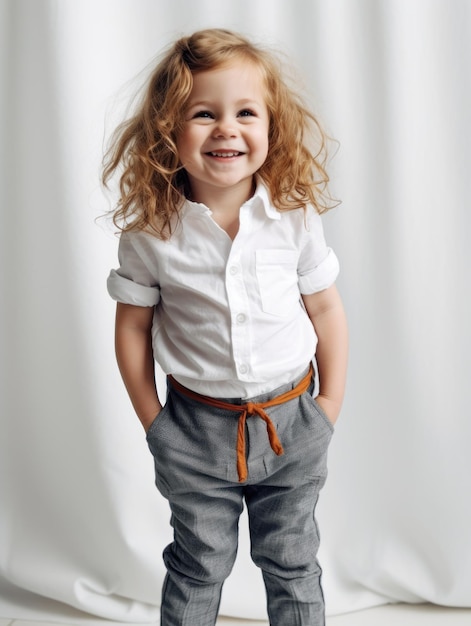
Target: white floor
{"points": [[391, 615]]}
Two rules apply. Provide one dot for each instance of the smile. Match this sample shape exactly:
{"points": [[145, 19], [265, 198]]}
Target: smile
{"points": [[225, 155]]}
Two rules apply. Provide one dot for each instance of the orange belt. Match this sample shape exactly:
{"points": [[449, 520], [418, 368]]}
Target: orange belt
{"points": [[250, 408]]}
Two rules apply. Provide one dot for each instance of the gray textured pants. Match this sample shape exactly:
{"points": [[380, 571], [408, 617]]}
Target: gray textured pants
{"points": [[195, 461]]}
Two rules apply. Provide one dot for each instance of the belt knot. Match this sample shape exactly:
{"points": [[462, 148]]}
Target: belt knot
{"points": [[250, 408]]}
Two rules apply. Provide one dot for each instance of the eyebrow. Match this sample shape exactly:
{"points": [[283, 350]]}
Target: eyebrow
{"points": [[208, 103]]}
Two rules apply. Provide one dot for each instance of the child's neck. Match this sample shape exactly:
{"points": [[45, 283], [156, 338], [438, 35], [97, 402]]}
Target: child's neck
{"points": [[225, 206], [225, 212]]}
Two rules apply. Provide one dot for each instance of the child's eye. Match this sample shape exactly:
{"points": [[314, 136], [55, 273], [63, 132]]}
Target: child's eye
{"points": [[246, 113], [203, 114]]}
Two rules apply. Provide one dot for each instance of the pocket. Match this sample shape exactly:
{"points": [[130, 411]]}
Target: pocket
{"points": [[319, 411], [323, 414], [160, 417], [277, 280]]}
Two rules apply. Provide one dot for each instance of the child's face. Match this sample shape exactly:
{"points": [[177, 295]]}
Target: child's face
{"points": [[225, 136]]}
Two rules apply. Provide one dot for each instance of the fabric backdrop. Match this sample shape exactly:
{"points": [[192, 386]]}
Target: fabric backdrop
{"points": [[82, 527]]}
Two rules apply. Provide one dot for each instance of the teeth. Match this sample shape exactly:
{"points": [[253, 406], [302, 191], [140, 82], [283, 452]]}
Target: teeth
{"points": [[225, 154]]}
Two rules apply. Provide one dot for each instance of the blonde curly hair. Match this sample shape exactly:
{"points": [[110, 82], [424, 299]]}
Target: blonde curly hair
{"points": [[153, 183]]}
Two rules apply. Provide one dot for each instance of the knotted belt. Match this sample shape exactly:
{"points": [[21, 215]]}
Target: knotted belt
{"points": [[246, 410]]}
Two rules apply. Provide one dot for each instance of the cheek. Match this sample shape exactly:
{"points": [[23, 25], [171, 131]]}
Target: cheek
{"points": [[262, 143], [185, 145]]}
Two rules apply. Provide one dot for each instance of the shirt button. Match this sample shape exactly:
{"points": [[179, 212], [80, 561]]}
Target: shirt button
{"points": [[241, 318], [233, 270], [243, 369]]}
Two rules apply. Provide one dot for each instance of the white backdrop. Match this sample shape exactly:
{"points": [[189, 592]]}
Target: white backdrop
{"points": [[82, 526]]}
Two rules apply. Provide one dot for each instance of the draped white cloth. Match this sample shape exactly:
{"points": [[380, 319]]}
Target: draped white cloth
{"points": [[81, 525]]}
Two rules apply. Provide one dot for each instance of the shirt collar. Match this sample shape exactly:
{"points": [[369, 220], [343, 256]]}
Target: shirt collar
{"points": [[261, 195]]}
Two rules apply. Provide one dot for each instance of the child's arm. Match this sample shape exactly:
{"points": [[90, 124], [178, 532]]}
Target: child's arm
{"points": [[325, 310], [133, 342]]}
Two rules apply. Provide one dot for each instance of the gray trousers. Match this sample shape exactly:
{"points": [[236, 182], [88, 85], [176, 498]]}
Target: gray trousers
{"points": [[194, 448]]}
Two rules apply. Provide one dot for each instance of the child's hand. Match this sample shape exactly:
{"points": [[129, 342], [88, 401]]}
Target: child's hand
{"points": [[147, 422], [136, 361], [330, 407], [327, 315]]}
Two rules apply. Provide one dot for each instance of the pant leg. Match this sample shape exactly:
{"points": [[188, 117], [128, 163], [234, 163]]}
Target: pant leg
{"points": [[281, 507], [194, 453], [201, 556]]}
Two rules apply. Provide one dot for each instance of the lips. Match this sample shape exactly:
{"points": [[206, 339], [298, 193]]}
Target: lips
{"points": [[225, 154]]}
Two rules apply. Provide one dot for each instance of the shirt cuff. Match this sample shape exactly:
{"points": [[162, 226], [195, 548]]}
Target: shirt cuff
{"points": [[128, 292], [322, 277]]}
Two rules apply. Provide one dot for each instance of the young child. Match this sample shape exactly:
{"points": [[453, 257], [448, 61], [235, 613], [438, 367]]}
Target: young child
{"points": [[226, 280]]}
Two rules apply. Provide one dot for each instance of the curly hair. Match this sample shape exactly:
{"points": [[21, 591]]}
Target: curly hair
{"points": [[153, 183]]}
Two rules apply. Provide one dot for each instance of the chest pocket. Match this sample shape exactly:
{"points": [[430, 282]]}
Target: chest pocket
{"points": [[277, 281]]}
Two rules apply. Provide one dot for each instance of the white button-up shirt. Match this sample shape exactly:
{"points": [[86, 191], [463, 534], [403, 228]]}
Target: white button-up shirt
{"points": [[229, 320]]}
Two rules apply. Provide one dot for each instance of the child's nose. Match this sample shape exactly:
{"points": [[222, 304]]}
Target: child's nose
{"points": [[225, 128]]}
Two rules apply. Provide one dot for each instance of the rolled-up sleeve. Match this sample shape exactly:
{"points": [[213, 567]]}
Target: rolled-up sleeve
{"points": [[318, 266], [322, 276], [135, 281], [127, 291]]}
